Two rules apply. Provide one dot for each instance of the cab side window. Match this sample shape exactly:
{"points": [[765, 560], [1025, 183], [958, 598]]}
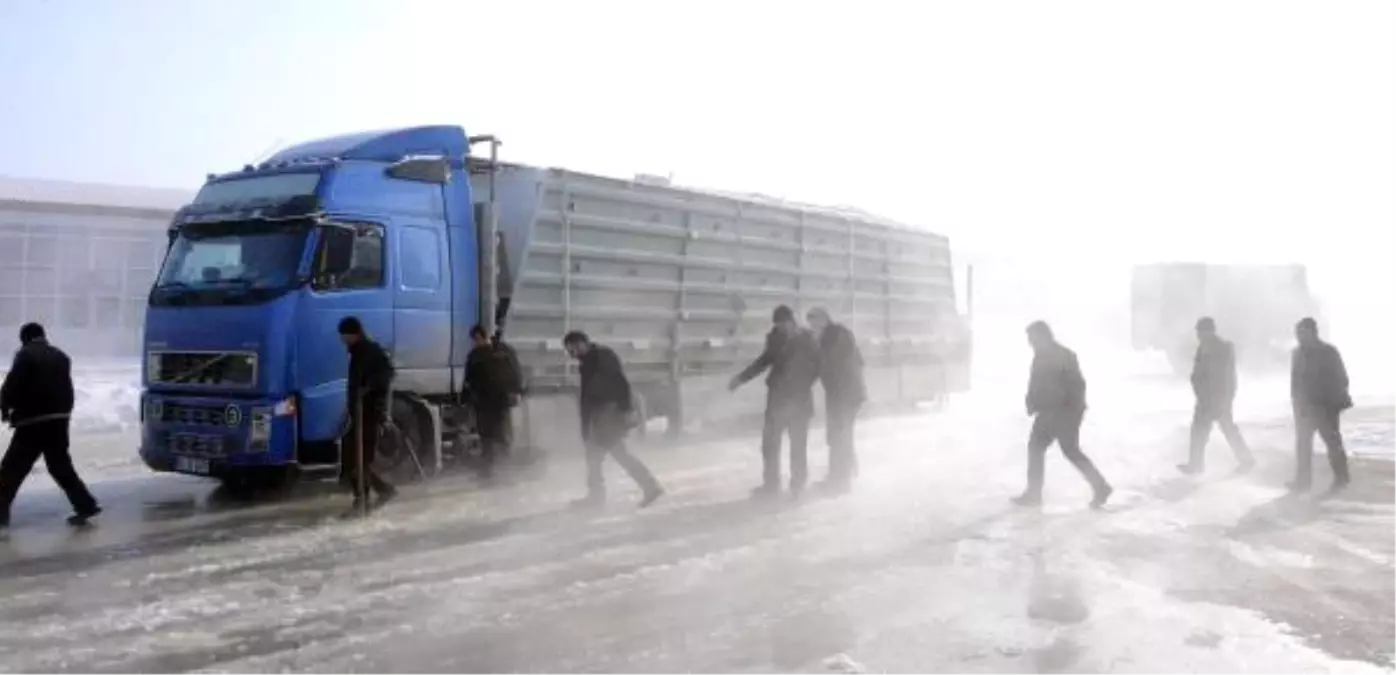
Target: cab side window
{"points": [[366, 270]]}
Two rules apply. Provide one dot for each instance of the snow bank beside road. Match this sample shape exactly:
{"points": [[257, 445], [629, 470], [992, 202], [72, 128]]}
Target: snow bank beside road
{"points": [[108, 399]]}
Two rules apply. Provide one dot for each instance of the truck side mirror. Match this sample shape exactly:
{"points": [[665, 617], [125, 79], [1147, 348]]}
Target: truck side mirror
{"points": [[339, 251]]}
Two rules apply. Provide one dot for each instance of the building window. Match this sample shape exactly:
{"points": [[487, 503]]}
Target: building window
{"points": [[41, 309], [11, 310], [107, 313], [74, 312], [11, 250], [43, 251]]}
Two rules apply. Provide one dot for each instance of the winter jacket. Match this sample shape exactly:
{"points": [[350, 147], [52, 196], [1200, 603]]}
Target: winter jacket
{"points": [[1056, 384], [492, 376], [605, 389], [1214, 372], [39, 386], [370, 371], [794, 362], [1318, 379], [841, 367]]}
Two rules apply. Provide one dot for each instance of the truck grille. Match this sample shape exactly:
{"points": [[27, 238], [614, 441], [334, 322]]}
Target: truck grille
{"points": [[237, 369], [195, 445], [198, 415]]}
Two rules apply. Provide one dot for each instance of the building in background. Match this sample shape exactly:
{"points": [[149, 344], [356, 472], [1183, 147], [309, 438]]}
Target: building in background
{"points": [[80, 258]]}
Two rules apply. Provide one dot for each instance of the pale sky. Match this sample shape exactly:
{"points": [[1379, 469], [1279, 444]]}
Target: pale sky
{"points": [[1119, 130]]}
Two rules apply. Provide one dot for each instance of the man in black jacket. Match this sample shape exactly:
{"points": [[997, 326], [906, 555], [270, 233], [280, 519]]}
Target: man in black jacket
{"points": [[1057, 397], [841, 371], [605, 408], [37, 400], [1318, 387], [493, 385], [1214, 384], [370, 376], [792, 356]]}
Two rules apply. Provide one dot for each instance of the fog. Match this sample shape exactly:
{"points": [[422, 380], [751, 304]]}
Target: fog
{"points": [[1059, 145]]}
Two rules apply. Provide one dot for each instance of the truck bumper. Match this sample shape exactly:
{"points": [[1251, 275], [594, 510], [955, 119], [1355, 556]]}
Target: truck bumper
{"points": [[206, 436]]}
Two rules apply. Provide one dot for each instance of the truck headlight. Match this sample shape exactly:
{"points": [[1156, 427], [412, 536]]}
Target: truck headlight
{"points": [[259, 433]]}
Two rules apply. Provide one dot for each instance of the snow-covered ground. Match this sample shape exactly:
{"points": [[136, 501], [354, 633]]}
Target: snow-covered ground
{"points": [[924, 568]]}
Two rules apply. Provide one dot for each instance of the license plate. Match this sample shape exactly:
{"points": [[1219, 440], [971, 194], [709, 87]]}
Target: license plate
{"points": [[191, 465]]}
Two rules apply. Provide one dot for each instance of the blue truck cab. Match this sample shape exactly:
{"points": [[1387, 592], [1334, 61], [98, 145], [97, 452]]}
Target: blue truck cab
{"points": [[243, 368]]}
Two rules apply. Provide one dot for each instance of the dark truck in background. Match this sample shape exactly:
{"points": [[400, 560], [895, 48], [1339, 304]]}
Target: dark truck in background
{"points": [[1255, 307]]}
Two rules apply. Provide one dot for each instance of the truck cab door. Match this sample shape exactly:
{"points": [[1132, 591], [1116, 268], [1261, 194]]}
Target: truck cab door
{"points": [[421, 308], [322, 363]]}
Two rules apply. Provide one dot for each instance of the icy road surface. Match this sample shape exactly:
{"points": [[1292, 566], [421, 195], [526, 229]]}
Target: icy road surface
{"points": [[925, 567]]}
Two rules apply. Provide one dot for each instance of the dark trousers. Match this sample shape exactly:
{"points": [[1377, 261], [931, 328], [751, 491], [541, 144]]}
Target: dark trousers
{"points": [[606, 436], [48, 440], [843, 458], [1203, 417], [1063, 428], [781, 419], [373, 410], [1307, 421], [495, 427]]}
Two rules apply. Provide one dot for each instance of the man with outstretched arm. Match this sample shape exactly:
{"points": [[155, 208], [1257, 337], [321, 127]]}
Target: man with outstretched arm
{"points": [[605, 408], [1057, 399], [1318, 387], [792, 356], [37, 400], [1214, 384]]}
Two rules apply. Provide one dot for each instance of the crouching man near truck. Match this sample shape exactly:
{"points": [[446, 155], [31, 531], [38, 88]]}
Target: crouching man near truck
{"points": [[370, 377], [37, 400], [605, 402]]}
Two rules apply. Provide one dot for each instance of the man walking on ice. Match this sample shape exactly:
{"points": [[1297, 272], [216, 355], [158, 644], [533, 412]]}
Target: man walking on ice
{"points": [[37, 400], [1057, 398], [1214, 384]]}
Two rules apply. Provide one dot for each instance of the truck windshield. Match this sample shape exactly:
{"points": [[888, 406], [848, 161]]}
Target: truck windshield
{"points": [[231, 263]]}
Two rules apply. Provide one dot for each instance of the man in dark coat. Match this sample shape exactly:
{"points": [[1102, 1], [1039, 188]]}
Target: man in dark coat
{"points": [[37, 400], [1057, 397], [792, 356], [1214, 384], [605, 407], [841, 372], [1318, 387], [370, 376], [493, 386]]}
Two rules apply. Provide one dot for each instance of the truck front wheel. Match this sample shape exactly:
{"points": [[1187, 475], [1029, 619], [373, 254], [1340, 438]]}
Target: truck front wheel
{"points": [[403, 451]]}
